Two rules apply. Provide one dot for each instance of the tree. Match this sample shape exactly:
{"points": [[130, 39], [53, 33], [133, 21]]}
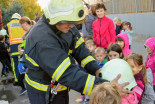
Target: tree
{"points": [[6, 3], [31, 7], [7, 13]]}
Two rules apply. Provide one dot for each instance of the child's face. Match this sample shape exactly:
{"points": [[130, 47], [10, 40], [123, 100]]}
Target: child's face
{"points": [[100, 56], [91, 47], [135, 67], [148, 50], [120, 43], [100, 12], [113, 55], [125, 26], [115, 22]]}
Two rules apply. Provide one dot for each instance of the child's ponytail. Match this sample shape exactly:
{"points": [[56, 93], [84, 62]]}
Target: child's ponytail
{"points": [[144, 75]]}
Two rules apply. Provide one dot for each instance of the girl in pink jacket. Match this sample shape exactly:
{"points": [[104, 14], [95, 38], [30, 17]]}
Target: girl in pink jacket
{"points": [[150, 61], [103, 28], [123, 40]]}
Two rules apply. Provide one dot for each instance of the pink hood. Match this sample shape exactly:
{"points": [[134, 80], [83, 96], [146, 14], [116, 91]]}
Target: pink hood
{"points": [[125, 38], [150, 61]]}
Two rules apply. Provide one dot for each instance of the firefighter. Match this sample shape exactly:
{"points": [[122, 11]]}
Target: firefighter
{"points": [[15, 33], [51, 47]]}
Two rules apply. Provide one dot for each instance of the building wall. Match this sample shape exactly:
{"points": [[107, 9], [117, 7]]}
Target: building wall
{"points": [[142, 23]]}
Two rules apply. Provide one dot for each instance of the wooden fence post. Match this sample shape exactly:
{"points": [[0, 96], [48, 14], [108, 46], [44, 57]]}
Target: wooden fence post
{"points": [[136, 6]]}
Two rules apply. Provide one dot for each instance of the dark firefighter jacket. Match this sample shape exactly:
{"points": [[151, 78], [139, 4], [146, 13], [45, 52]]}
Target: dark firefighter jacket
{"points": [[50, 54]]}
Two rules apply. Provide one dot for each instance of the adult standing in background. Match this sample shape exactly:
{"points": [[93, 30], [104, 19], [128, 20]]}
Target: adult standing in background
{"points": [[103, 28], [15, 32], [90, 18], [37, 17]]}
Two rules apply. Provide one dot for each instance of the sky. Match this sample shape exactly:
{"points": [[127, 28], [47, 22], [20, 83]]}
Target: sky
{"points": [[42, 3]]}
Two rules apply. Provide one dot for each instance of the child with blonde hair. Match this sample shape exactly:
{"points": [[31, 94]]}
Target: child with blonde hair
{"points": [[91, 45], [139, 71], [117, 22], [105, 93], [100, 56]]}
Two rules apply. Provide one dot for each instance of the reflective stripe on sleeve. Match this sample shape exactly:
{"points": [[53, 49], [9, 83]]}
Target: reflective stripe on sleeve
{"points": [[79, 42], [89, 84], [36, 85], [61, 69], [14, 53], [85, 61], [31, 60]]}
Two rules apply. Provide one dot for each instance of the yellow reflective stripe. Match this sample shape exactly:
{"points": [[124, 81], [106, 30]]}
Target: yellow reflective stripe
{"points": [[14, 53], [70, 52], [89, 84], [79, 42], [31, 60], [61, 88], [85, 61], [61, 69], [36, 85], [13, 69]]}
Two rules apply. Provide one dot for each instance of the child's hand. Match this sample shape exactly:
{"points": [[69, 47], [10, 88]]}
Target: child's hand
{"points": [[122, 91], [8, 49]]}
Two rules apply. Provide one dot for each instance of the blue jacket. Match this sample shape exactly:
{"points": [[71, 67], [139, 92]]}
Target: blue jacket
{"points": [[102, 63], [130, 35]]}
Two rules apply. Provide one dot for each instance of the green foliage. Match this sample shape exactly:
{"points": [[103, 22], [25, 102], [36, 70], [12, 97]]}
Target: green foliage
{"points": [[7, 13], [23, 7], [31, 7], [6, 3]]}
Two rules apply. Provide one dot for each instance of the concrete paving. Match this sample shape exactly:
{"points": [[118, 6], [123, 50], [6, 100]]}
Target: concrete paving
{"points": [[12, 92]]}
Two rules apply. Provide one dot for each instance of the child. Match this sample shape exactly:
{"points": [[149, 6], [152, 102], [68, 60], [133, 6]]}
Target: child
{"points": [[123, 41], [139, 71], [114, 51], [91, 45], [149, 94], [117, 22], [4, 55], [150, 61], [105, 93], [100, 56], [127, 28], [3, 31]]}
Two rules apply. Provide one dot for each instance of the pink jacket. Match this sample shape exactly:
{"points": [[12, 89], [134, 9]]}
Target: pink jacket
{"points": [[125, 38], [131, 99], [103, 32], [150, 60]]}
